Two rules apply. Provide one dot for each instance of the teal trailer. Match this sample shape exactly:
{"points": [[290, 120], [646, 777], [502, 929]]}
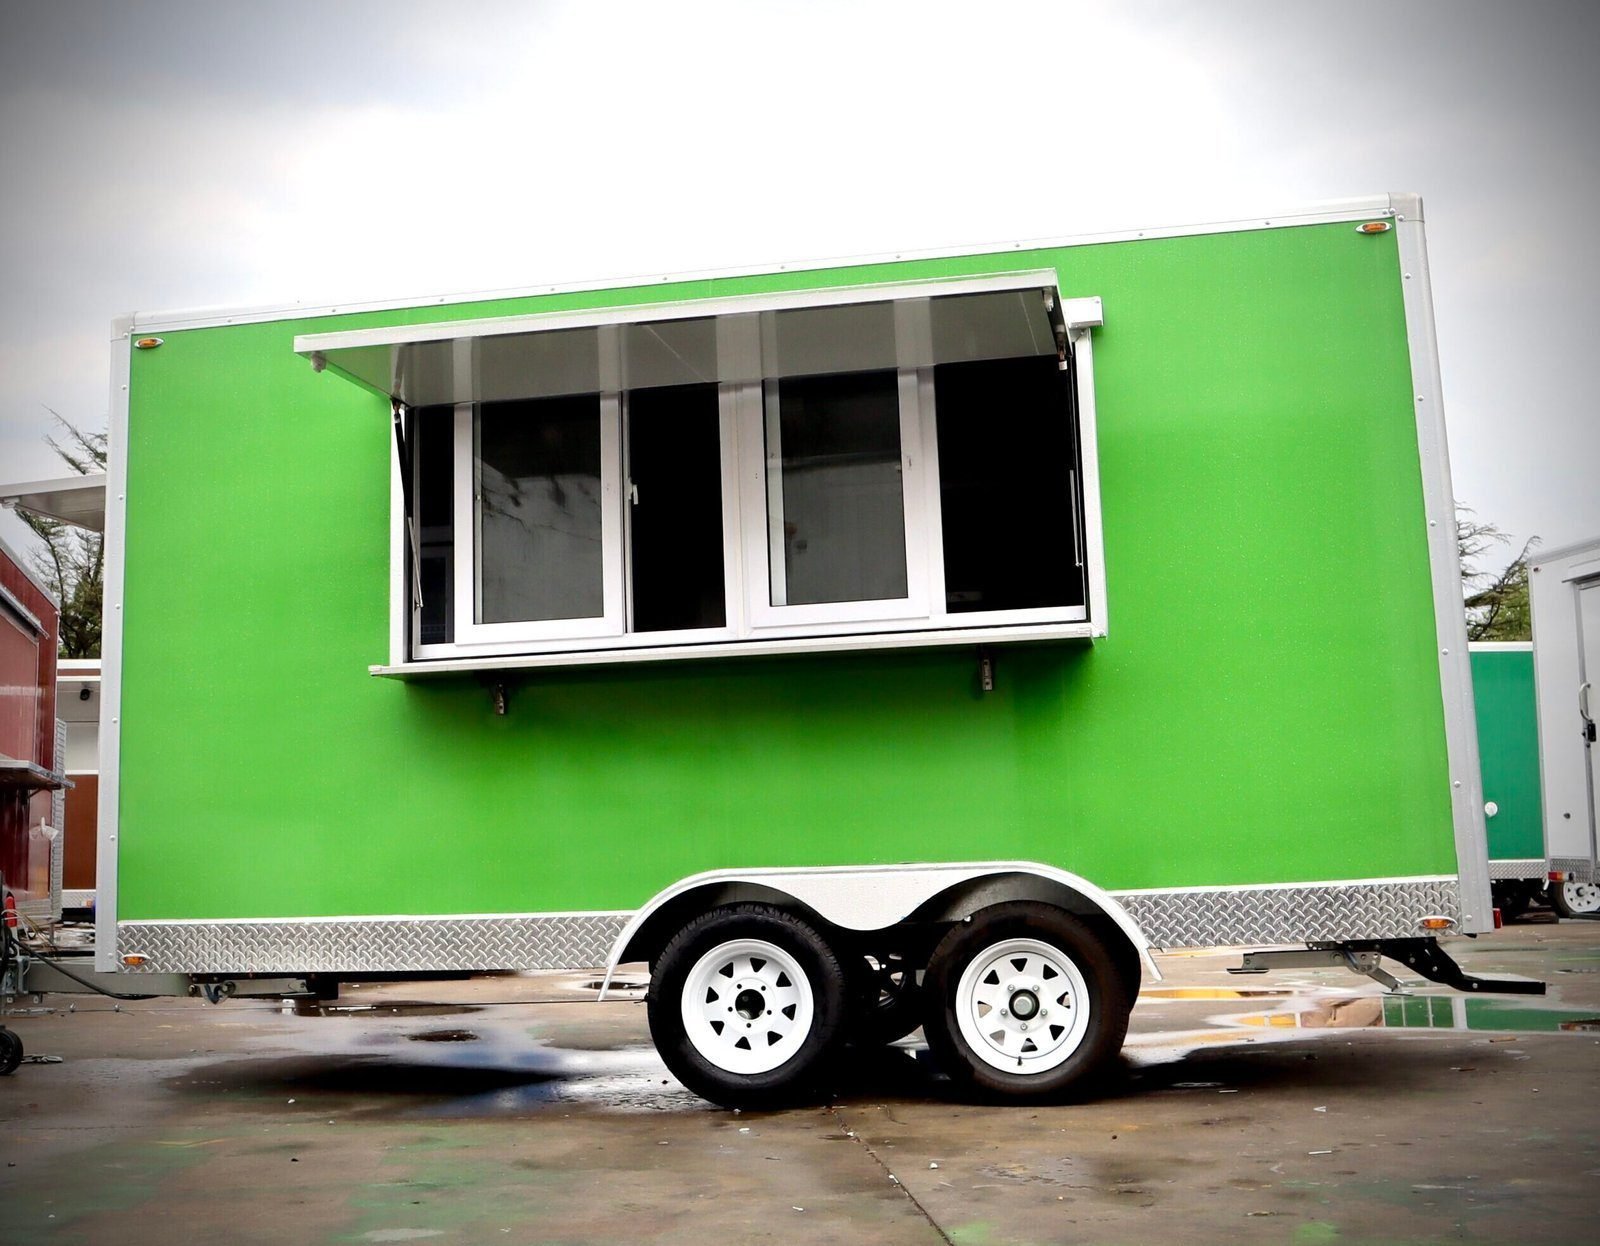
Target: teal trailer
{"points": [[912, 640], [1508, 750]]}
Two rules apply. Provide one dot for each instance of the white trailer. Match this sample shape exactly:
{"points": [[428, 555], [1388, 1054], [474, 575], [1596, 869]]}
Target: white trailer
{"points": [[1564, 592]]}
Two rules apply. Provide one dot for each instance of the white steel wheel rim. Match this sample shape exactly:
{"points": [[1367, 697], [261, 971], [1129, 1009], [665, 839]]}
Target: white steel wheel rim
{"points": [[747, 1006], [1581, 897], [1022, 1006]]}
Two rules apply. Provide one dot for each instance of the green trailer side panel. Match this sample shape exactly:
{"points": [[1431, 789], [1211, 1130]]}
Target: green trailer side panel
{"points": [[1508, 751], [1266, 707]]}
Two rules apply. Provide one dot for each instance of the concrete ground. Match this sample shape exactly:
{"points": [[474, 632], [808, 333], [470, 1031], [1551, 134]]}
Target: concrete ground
{"points": [[1301, 1107]]}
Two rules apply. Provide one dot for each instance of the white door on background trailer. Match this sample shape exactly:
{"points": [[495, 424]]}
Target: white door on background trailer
{"points": [[1589, 700], [1564, 591]]}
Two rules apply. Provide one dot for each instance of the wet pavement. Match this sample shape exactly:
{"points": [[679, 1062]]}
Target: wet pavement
{"points": [[1302, 1107]]}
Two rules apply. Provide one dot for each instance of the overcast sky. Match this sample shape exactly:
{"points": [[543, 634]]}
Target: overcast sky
{"points": [[171, 155]]}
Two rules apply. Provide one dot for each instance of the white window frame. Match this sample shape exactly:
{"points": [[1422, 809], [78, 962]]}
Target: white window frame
{"points": [[758, 417], [469, 552], [753, 625]]}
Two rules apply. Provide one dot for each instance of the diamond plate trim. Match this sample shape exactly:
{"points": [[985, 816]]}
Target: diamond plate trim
{"points": [[1309, 914], [373, 945], [1531, 867], [1170, 919]]}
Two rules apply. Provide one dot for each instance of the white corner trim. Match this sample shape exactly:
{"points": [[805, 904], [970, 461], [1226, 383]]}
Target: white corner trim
{"points": [[1455, 669], [116, 556]]}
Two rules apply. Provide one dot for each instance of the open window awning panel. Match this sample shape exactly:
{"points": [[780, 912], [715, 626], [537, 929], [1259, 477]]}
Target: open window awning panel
{"points": [[543, 356], [77, 500]]}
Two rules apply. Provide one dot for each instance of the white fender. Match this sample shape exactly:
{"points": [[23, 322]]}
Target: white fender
{"points": [[871, 897]]}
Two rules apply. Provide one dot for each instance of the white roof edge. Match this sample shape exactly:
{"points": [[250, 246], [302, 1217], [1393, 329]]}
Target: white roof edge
{"points": [[76, 500], [1540, 557], [1388, 204], [58, 484]]}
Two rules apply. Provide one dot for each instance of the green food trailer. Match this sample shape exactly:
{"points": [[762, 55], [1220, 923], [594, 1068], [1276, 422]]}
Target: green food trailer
{"points": [[909, 640]]}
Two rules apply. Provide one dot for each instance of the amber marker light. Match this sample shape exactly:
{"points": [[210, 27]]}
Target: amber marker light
{"points": [[147, 343], [1437, 923], [1374, 227], [133, 960]]}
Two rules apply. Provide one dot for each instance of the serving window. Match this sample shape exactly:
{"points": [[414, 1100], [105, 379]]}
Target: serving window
{"points": [[903, 465]]}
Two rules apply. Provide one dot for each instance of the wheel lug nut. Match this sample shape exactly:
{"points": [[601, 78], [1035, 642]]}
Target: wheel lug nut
{"points": [[1024, 1025], [1004, 1013]]}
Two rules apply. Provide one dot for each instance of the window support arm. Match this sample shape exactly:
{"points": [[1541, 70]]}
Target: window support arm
{"points": [[402, 447]]}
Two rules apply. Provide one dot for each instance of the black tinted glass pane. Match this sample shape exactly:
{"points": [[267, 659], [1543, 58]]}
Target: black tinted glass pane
{"points": [[842, 519], [675, 466], [433, 514], [539, 510], [1006, 457]]}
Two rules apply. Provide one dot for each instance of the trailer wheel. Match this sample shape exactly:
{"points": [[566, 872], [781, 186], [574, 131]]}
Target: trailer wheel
{"points": [[747, 1006], [10, 1052], [1511, 897], [1575, 899], [1024, 1003], [886, 1002]]}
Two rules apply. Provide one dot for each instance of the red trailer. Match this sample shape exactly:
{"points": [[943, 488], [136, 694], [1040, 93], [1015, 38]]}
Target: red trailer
{"points": [[31, 753]]}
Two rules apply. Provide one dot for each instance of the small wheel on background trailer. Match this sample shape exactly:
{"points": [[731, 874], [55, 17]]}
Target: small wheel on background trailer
{"points": [[10, 1052], [747, 1007], [1023, 1003], [885, 1000], [1575, 899]]}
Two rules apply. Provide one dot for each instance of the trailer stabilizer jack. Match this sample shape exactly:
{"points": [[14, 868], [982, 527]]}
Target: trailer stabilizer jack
{"points": [[1423, 955], [1426, 957]]}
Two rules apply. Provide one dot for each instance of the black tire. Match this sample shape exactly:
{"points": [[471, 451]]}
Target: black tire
{"points": [[10, 1052], [720, 1054], [1511, 898], [885, 1000], [1073, 974], [1574, 899]]}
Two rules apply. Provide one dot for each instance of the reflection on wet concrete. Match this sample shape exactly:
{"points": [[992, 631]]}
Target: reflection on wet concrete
{"points": [[1316, 1012], [1439, 1012], [521, 1059]]}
